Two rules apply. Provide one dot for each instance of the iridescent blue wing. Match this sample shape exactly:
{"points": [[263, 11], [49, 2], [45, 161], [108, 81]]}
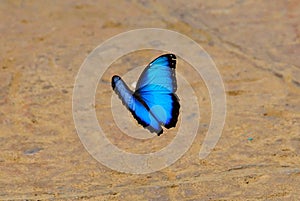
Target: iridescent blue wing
{"points": [[137, 107], [154, 103], [156, 87]]}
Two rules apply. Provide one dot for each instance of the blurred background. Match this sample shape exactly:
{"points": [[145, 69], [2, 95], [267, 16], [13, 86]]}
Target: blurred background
{"points": [[255, 45]]}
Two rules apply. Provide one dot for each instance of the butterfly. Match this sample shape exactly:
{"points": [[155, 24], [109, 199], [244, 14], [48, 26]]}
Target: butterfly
{"points": [[154, 103]]}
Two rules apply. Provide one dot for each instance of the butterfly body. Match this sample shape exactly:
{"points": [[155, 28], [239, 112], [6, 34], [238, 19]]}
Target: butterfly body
{"points": [[154, 103]]}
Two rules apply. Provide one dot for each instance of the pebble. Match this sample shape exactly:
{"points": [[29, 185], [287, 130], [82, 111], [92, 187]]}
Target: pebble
{"points": [[32, 151]]}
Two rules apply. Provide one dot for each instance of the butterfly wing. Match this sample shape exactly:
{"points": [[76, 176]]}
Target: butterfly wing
{"points": [[136, 106], [156, 87]]}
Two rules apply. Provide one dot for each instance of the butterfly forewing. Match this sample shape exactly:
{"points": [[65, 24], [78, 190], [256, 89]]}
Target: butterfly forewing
{"points": [[160, 72]]}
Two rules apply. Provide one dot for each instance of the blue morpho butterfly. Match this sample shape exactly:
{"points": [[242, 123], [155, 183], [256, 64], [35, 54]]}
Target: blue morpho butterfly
{"points": [[154, 102]]}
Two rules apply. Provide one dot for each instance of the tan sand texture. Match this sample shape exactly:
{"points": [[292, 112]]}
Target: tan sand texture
{"points": [[256, 48]]}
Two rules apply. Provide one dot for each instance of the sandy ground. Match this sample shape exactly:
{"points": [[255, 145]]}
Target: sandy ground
{"points": [[255, 45]]}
